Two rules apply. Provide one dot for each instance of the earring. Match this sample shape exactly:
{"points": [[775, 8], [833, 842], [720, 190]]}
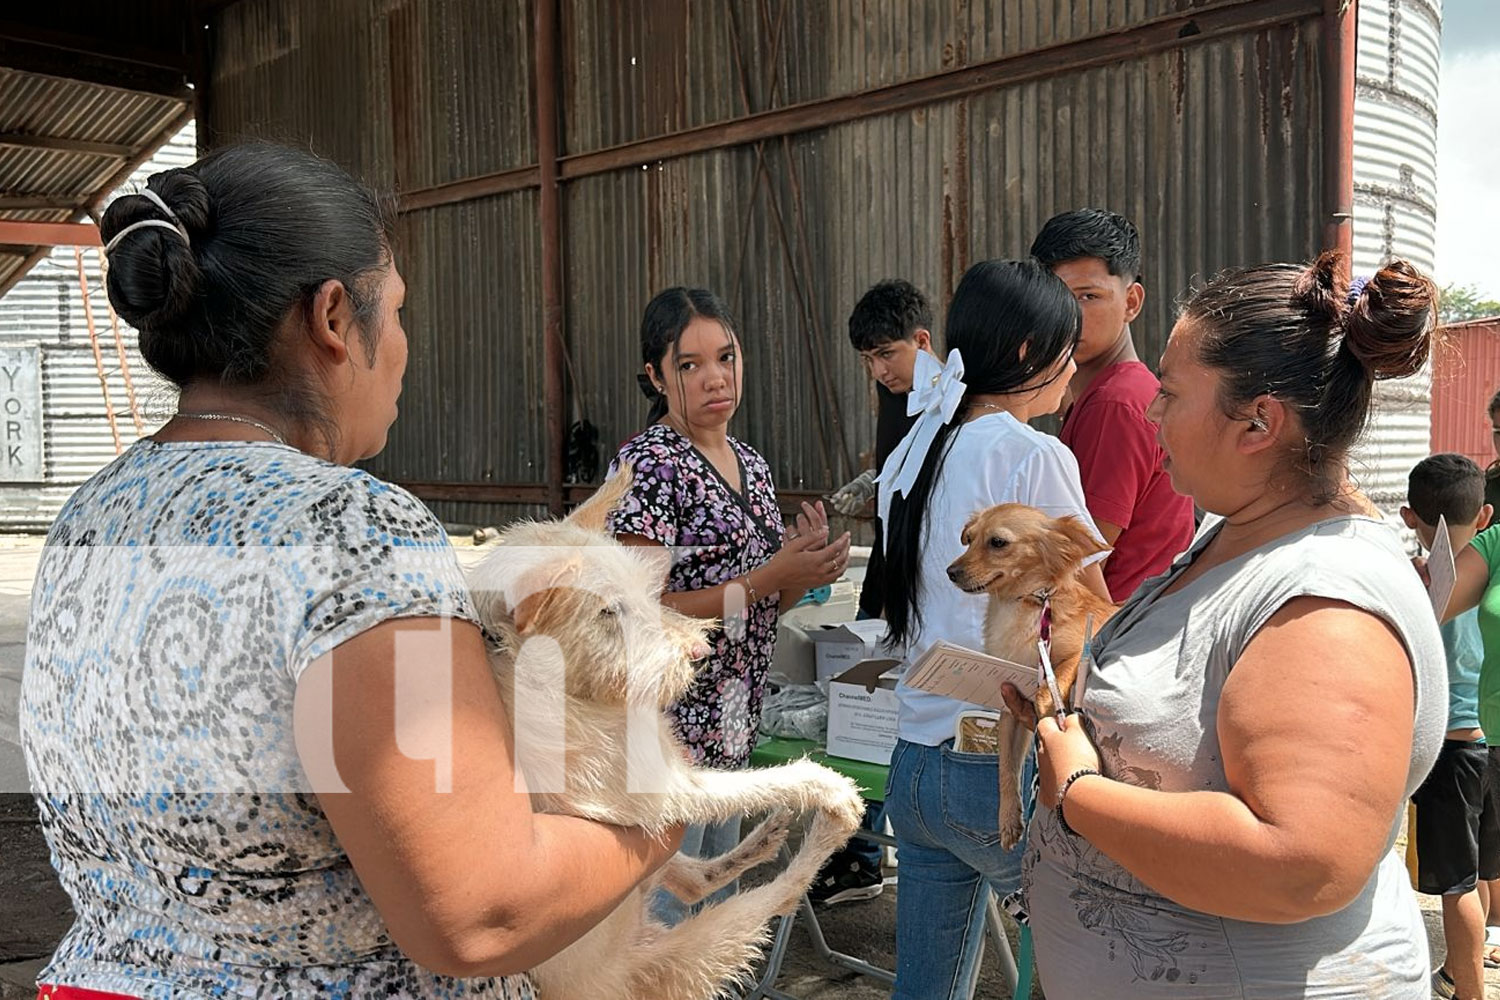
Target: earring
{"points": [[1257, 424]]}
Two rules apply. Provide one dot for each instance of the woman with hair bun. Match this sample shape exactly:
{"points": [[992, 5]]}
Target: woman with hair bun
{"points": [[230, 623], [1217, 821]]}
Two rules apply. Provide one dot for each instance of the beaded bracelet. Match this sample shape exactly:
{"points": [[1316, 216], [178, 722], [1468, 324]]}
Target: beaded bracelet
{"points": [[1062, 793]]}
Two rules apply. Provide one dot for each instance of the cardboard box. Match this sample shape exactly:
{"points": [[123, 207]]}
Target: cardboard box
{"points": [[839, 647], [862, 711]]}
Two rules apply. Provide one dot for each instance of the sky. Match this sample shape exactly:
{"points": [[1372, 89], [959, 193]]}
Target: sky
{"points": [[1468, 223]]}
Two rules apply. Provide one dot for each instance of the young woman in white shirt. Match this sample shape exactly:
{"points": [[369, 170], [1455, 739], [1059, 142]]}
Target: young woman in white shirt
{"points": [[1011, 331]]}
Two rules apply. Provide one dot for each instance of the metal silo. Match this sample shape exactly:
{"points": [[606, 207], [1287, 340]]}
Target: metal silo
{"points": [[1395, 207]]}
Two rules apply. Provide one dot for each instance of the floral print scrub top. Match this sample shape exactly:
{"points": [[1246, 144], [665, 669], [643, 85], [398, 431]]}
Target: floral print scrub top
{"points": [[678, 499]]}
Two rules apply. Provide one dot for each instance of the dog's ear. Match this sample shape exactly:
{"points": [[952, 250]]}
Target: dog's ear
{"points": [[593, 513], [531, 608], [1076, 540], [540, 591], [968, 532]]}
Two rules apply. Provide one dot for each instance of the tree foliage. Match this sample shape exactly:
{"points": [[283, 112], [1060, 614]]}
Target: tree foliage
{"points": [[1465, 302]]}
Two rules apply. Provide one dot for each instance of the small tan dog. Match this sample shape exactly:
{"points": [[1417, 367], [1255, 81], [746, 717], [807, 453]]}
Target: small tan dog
{"points": [[587, 661], [1018, 556]]}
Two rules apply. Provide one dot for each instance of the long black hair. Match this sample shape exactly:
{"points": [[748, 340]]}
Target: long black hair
{"points": [[999, 307], [667, 315]]}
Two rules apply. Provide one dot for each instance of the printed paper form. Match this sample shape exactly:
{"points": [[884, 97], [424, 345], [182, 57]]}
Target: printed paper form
{"points": [[1442, 575], [969, 675]]}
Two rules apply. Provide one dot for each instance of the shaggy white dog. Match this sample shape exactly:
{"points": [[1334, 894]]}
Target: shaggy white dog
{"points": [[587, 660]]}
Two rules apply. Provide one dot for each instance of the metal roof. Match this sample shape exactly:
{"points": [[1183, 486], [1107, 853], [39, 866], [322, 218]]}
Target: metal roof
{"points": [[85, 98]]}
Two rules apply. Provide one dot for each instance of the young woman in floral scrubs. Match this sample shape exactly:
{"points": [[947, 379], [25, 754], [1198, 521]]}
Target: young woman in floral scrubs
{"points": [[709, 500]]}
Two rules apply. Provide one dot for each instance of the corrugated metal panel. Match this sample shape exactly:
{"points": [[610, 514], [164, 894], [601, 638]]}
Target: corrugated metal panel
{"points": [[1214, 165], [1208, 147], [317, 74], [461, 89], [471, 405], [46, 308], [1398, 437], [676, 64], [1395, 132], [1465, 377], [1214, 175], [1395, 208], [33, 104]]}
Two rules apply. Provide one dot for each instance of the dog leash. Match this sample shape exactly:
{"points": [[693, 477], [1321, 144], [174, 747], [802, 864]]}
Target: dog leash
{"points": [[1044, 672]]}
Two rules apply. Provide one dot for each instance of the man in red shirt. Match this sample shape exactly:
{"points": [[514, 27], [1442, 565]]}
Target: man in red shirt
{"points": [[1098, 255]]}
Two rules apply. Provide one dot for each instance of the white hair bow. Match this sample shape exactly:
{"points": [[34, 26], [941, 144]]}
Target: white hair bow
{"points": [[936, 391]]}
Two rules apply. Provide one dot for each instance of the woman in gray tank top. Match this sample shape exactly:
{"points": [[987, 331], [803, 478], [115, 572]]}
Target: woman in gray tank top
{"points": [[1221, 825]]}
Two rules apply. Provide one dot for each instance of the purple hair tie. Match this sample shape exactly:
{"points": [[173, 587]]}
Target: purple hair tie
{"points": [[1356, 289]]}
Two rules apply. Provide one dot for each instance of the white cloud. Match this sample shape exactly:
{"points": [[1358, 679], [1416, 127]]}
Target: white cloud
{"points": [[1468, 211]]}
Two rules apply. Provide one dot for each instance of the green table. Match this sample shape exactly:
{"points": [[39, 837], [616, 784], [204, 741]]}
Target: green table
{"points": [[775, 750]]}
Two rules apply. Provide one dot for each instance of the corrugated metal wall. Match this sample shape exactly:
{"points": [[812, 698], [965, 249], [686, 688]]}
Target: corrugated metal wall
{"points": [[1465, 376], [46, 308], [1210, 143]]}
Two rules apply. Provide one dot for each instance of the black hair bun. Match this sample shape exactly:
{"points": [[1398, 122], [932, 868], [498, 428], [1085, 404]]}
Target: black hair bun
{"points": [[154, 276]]}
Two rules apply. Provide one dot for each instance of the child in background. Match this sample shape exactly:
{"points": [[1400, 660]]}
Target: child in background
{"points": [[1458, 806], [890, 325], [1098, 255]]}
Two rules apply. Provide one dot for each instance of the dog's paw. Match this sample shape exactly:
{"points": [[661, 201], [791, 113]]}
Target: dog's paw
{"points": [[1011, 831], [841, 801], [765, 840]]}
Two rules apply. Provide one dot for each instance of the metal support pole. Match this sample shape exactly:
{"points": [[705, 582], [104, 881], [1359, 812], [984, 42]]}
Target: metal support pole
{"points": [[1340, 49], [88, 317], [550, 216], [114, 325]]}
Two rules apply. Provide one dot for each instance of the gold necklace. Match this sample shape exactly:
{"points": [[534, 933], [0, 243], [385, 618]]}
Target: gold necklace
{"points": [[236, 419]]}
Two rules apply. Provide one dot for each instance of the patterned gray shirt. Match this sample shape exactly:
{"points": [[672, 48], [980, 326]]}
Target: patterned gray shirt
{"points": [[181, 593], [1153, 700]]}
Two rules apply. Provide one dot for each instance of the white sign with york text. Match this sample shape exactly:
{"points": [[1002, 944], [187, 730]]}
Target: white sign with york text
{"points": [[20, 414]]}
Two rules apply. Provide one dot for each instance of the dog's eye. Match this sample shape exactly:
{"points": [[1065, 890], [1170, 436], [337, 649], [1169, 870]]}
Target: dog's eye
{"points": [[609, 611], [998, 543]]}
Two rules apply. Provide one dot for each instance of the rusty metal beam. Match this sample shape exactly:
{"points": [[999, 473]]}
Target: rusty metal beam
{"points": [[110, 149], [1191, 27], [37, 202], [1161, 34], [518, 179], [49, 234], [549, 214], [93, 46], [91, 59], [119, 177], [1339, 55]]}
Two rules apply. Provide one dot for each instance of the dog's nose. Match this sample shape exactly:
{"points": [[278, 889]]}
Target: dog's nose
{"points": [[954, 572]]}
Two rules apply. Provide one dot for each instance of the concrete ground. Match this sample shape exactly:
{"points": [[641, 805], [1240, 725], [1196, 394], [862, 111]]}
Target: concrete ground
{"points": [[34, 912]]}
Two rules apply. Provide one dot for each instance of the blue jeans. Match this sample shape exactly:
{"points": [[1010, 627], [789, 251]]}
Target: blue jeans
{"points": [[699, 841], [867, 851], [944, 808]]}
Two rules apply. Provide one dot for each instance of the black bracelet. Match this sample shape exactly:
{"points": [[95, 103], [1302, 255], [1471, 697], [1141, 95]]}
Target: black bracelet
{"points": [[1062, 793]]}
